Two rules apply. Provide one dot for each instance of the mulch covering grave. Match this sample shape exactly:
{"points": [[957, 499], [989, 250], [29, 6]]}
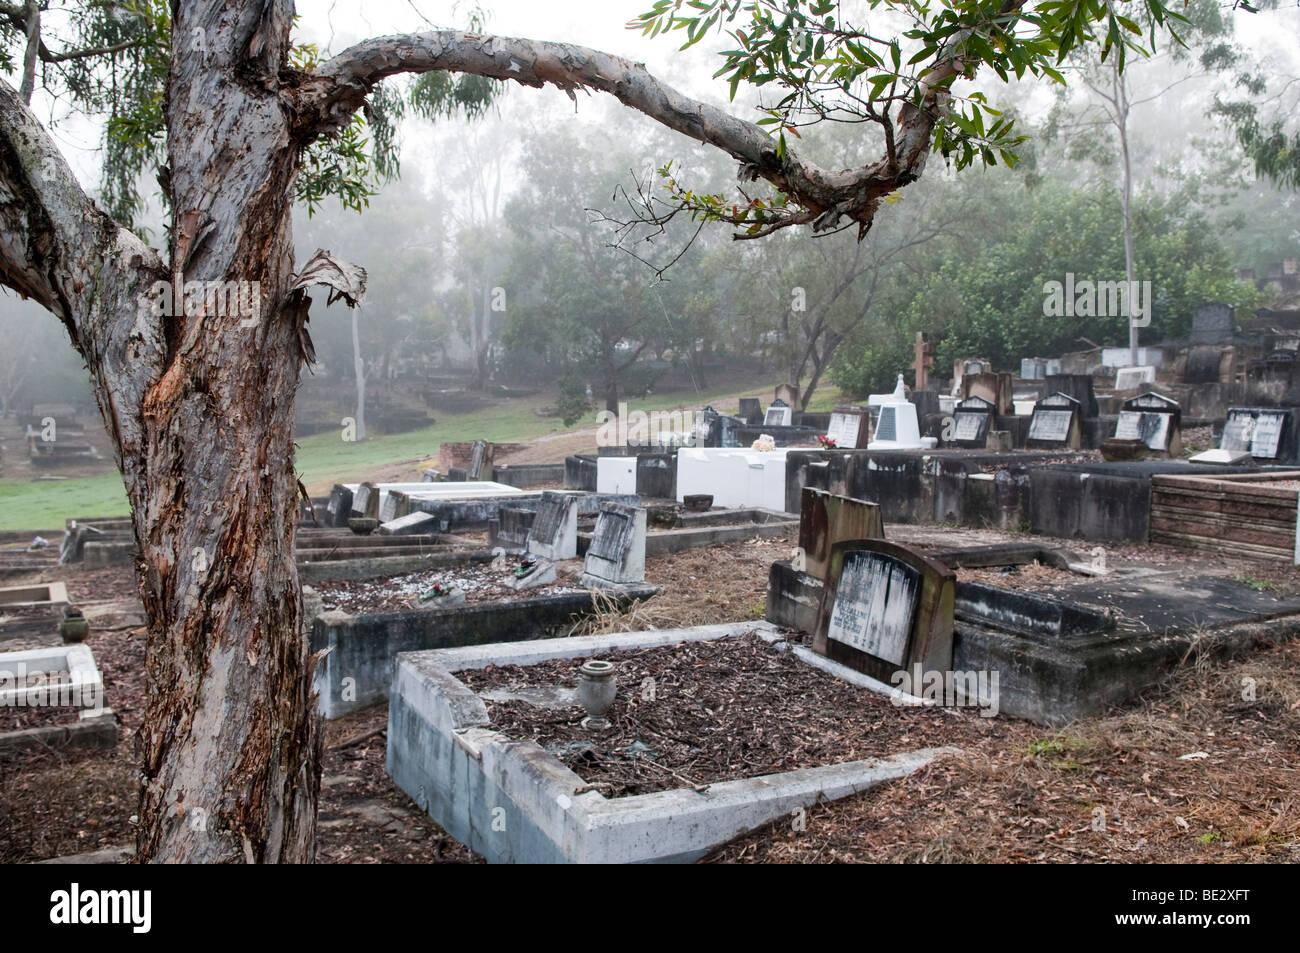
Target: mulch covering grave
{"points": [[481, 583], [722, 710]]}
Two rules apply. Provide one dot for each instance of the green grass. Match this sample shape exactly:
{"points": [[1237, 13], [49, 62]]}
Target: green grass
{"points": [[324, 459], [44, 505]]}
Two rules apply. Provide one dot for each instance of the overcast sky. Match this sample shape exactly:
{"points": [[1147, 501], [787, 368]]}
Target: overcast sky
{"points": [[334, 24]]}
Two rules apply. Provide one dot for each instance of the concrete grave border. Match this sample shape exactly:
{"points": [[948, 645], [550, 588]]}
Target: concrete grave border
{"points": [[512, 802]]}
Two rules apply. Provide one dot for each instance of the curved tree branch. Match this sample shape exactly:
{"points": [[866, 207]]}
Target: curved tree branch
{"points": [[60, 249], [326, 98]]}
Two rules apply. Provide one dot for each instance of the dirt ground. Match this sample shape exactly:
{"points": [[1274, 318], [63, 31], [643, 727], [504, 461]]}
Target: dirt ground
{"points": [[1204, 768]]}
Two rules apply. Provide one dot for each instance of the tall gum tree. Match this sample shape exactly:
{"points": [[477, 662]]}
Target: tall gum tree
{"points": [[200, 404]]}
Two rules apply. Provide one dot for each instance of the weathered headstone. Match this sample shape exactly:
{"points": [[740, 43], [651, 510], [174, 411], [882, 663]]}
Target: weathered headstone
{"points": [[365, 501], [751, 411], [995, 388], [886, 608], [410, 524], [1130, 378], [1054, 424], [971, 420], [616, 555], [1212, 323], [779, 414], [850, 428], [339, 507], [1033, 368], [554, 533], [513, 524], [1078, 386], [1154, 420], [828, 518], [787, 394], [478, 457], [1266, 433]]}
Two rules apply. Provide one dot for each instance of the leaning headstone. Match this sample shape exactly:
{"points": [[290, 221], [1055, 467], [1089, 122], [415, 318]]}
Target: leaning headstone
{"points": [[971, 420], [554, 533], [885, 609], [1054, 424], [410, 524], [616, 555], [339, 507], [850, 428], [478, 457], [780, 414], [365, 501], [828, 518], [388, 506]]}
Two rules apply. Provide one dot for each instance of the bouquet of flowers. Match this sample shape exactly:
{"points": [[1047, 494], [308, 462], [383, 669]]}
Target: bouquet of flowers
{"points": [[827, 443], [765, 443]]}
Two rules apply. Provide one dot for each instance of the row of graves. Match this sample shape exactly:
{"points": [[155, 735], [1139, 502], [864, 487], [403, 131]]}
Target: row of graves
{"points": [[444, 564], [51, 690], [991, 457], [490, 740]]}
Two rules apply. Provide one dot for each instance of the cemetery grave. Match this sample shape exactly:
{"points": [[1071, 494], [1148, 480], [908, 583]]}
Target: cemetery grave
{"points": [[366, 620], [1252, 514], [440, 729], [53, 698], [706, 696], [32, 610]]}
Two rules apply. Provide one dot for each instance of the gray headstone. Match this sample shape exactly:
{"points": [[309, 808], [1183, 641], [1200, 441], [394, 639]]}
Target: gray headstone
{"points": [[616, 555], [875, 606], [410, 524], [554, 533]]}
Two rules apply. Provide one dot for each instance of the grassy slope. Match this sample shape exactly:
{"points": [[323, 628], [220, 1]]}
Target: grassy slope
{"points": [[324, 459]]}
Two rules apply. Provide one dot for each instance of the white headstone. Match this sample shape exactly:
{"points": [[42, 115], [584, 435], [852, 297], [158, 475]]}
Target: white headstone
{"points": [[897, 427]]}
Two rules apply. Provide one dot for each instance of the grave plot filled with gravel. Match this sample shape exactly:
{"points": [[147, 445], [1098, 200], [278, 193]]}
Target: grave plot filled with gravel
{"points": [[698, 713]]}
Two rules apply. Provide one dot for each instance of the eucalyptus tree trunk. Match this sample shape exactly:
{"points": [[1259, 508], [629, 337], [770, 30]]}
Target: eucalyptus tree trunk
{"points": [[231, 739]]}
